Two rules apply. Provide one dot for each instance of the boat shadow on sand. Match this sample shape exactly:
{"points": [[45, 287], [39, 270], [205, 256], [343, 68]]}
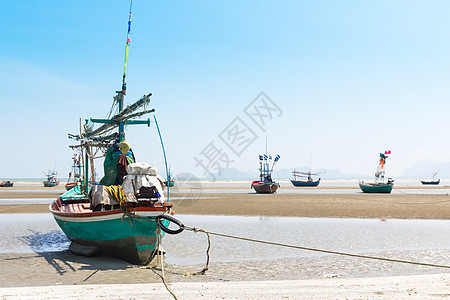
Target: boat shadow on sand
{"points": [[53, 246]]}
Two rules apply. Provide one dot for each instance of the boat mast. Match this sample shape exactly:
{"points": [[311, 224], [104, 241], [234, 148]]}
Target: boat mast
{"points": [[125, 116], [266, 166], [121, 94]]}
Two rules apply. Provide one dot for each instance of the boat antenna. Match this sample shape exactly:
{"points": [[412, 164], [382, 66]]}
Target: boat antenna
{"points": [[266, 140], [310, 163]]}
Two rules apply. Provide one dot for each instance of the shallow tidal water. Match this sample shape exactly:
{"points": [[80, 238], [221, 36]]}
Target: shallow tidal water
{"points": [[28, 233]]}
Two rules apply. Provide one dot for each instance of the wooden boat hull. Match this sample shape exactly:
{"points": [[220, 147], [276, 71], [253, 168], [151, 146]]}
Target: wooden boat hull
{"points": [[265, 187], [431, 182], [109, 232], [305, 183], [385, 188], [70, 185], [51, 183]]}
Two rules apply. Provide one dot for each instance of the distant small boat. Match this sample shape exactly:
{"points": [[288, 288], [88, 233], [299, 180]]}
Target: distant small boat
{"points": [[433, 181], [169, 182], [436, 182], [6, 184], [76, 172], [377, 186], [52, 179], [309, 182], [265, 185]]}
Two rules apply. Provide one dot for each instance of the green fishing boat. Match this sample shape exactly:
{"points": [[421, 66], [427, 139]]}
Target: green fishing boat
{"points": [[52, 179], [379, 186], [376, 187], [127, 214], [169, 182]]}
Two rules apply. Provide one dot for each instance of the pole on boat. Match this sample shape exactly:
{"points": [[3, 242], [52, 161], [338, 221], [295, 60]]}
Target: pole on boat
{"points": [[165, 159], [86, 171], [121, 94]]}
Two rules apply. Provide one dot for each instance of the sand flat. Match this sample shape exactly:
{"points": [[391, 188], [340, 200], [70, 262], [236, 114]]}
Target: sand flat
{"points": [[329, 205], [62, 275], [400, 287]]}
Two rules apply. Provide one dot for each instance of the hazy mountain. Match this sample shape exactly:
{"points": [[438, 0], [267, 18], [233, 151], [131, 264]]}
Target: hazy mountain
{"points": [[425, 170], [233, 173], [323, 173]]}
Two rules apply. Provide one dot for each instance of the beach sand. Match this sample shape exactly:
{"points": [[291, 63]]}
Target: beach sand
{"points": [[62, 275], [401, 287], [244, 202]]}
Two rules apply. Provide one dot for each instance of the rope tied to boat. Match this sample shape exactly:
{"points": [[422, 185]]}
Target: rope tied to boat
{"points": [[193, 229], [405, 193], [208, 233], [161, 256]]}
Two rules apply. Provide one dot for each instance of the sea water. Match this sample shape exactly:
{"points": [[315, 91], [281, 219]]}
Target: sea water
{"points": [[39, 233]]}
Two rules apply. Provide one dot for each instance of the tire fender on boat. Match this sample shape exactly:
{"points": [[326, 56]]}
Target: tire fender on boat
{"points": [[171, 219]]}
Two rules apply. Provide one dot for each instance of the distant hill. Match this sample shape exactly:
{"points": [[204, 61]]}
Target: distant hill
{"points": [[324, 173], [233, 173], [425, 170]]}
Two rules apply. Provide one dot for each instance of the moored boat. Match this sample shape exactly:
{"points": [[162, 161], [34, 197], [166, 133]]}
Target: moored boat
{"points": [[309, 182], [376, 187], [75, 174], [6, 183], [265, 185], [435, 182], [126, 215], [169, 182], [379, 186], [100, 224], [52, 179], [432, 181]]}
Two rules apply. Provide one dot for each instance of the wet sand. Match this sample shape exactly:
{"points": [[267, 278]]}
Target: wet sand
{"points": [[247, 203], [61, 274], [56, 274]]}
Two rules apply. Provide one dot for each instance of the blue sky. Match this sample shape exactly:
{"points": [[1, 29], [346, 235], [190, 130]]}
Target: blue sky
{"points": [[352, 79]]}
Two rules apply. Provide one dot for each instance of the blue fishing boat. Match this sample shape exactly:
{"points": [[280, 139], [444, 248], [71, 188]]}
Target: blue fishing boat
{"points": [[309, 182], [7, 183], [432, 181], [127, 214]]}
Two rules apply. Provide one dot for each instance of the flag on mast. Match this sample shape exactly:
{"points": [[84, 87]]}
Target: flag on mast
{"points": [[127, 46]]}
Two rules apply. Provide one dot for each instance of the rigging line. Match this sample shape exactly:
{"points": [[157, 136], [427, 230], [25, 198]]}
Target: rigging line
{"points": [[316, 249], [165, 159], [395, 189]]}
